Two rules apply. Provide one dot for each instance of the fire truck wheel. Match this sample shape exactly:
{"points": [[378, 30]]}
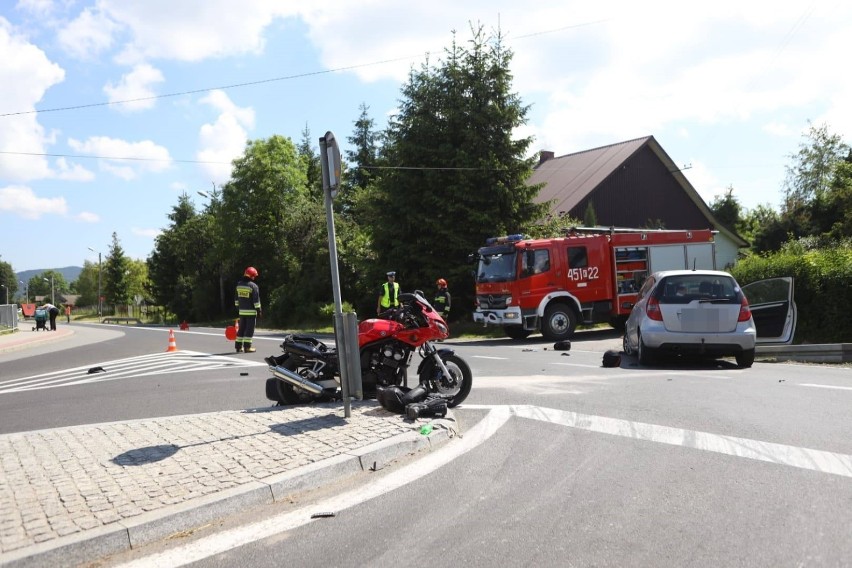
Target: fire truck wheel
{"points": [[618, 322], [516, 332], [559, 322]]}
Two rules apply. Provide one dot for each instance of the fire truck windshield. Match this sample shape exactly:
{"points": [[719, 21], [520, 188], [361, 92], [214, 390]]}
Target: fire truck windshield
{"points": [[496, 267]]}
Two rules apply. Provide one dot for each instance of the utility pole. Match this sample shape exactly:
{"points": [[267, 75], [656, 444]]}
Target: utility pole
{"points": [[52, 293]]}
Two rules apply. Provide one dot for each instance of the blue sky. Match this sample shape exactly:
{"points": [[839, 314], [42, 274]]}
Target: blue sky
{"points": [[727, 88]]}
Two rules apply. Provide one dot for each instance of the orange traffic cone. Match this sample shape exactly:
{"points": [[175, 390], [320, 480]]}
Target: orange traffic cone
{"points": [[172, 342]]}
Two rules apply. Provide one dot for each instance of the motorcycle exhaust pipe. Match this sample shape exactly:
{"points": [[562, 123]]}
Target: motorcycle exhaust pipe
{"points": [[292, 378]]}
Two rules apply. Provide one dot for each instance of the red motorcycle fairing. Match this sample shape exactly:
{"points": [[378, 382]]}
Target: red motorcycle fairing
{"points": [[375, 329]]}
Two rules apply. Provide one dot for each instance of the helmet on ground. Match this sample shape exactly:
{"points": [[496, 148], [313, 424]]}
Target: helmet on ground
{"points": [[441, 283], [251, 272]]}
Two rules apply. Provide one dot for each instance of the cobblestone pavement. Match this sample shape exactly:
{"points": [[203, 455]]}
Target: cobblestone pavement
{"points": [[91, 490], [71, 496]]}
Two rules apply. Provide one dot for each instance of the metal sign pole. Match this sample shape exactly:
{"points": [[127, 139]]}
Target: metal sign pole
{"points": [[330, 181]]}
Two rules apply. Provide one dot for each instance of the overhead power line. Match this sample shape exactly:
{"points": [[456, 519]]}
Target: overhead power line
{"points": [[136, 159], [206, 89], [126, 158], [263, 81]]}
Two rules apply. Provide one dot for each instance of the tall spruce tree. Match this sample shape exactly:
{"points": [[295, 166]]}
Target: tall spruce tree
{"points": [[456, 174], [174, 262], [116, 272], [364, 156]]}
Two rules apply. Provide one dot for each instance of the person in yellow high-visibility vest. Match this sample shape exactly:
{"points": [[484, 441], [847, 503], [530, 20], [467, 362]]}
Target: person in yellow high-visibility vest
{"points": [[247, 301], [388, 294]]}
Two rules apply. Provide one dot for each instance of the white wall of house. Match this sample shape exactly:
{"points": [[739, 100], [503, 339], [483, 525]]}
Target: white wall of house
{"points": [[726, 252]]}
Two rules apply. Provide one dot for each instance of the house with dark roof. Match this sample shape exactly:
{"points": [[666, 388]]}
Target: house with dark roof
{"points": [[630, 184]]}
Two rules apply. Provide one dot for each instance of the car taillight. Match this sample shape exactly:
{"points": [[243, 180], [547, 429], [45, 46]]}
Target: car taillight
{"points": [[745, 311], [652, 309]]}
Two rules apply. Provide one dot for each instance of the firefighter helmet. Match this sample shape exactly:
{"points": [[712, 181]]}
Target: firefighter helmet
{"points": [[251, 272], [441, 283]]}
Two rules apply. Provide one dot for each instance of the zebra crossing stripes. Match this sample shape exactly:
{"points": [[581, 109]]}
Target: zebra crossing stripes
{"points": [[131, 367]]}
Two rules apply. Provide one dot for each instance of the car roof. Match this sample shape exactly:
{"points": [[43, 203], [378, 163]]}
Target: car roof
{"points": [[666, 273]]}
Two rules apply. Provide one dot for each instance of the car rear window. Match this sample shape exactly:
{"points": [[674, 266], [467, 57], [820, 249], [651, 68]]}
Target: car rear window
{"points": [[686, 288]]}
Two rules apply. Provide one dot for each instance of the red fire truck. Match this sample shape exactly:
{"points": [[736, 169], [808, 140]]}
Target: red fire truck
{"points": [[591, 275]]}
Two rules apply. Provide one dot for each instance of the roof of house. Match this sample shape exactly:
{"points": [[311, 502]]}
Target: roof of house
{"points": [[571, 178]]}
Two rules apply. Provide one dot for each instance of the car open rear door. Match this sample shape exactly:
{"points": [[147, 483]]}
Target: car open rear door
{"points": [[773, 309]]}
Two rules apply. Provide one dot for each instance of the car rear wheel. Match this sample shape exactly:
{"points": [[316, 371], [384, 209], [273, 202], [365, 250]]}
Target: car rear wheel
{"points": [[647, 356], [625, 345], [745, 359]]}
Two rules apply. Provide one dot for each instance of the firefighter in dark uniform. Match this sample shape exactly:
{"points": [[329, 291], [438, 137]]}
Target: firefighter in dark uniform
{"points": [[388, 294], [442, 299], [247, 301]]}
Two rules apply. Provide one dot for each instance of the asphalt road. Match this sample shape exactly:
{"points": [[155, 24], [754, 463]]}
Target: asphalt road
{"points": [[685, 464]]}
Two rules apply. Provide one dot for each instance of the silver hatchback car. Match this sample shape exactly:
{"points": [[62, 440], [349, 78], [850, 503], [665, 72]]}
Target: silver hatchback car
{"points": [[699, 312]]}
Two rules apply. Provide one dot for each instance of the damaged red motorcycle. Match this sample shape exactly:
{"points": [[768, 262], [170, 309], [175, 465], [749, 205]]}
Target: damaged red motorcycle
{"points": [[309, 370]]}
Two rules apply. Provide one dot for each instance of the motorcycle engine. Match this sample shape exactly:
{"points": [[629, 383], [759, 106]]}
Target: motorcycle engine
{"points": [[384, 363]]}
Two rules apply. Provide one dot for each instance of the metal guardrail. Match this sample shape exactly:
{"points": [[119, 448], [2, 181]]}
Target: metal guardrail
{"points": [[821, 353], [113, 319]]}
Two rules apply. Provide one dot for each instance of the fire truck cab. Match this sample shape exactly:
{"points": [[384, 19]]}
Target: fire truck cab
{"points": [[591, 275]]}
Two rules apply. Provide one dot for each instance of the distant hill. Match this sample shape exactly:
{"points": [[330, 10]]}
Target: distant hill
{"points": [[70, 273]]}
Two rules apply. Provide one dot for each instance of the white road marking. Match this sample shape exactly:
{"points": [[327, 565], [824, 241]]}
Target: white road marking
{"points": [[218, 543], [578, 365], [241, 536], [487, 357], [131, 367], [825, 386], [804, 458], [527, 382]]}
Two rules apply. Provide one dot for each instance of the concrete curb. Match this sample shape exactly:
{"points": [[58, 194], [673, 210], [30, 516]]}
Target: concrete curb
{"points": [[149, 527]]}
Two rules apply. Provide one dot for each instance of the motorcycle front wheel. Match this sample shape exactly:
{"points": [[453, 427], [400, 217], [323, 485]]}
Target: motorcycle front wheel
{"points": [[458, 388]]}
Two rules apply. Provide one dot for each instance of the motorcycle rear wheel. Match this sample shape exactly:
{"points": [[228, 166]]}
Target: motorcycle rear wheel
{"points": [[284, 393], [461, 373]]}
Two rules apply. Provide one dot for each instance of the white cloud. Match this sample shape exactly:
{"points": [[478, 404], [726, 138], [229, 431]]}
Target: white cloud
{"points": [[126, 160], [40, 8], [167, 29], [221, 102], [612, 71], [25, 67], [703, 180], [71, 172], [776, 128], [20, 200], [87, 217], [225, 139], [152, 233], [90, 34], [135, 87]]}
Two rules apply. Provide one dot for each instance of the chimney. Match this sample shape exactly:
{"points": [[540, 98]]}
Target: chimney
{"points": [[545, 155]]}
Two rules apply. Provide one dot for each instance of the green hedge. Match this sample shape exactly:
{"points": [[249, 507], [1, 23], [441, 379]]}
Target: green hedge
{"points": [[823, 287]]}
